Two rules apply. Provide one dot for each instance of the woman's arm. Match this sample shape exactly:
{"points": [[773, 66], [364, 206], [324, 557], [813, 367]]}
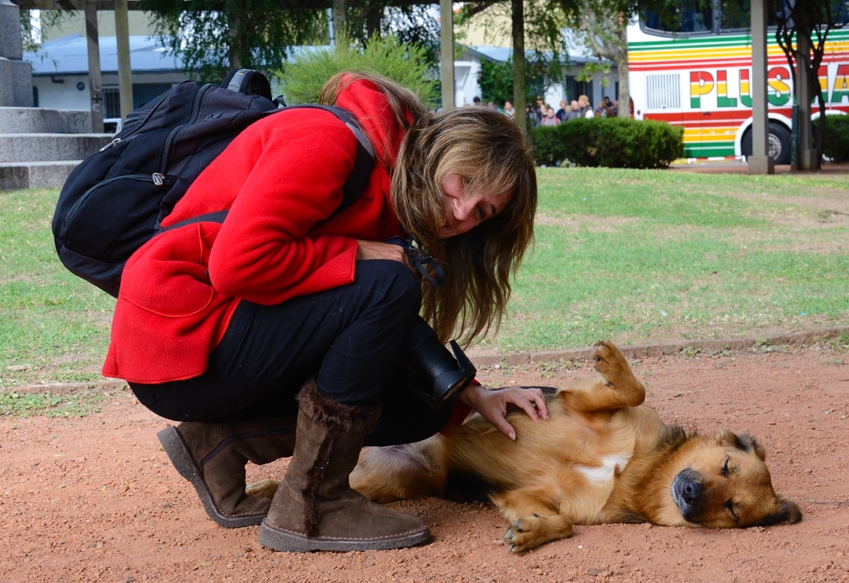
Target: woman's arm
{"points": [[294, 180]]}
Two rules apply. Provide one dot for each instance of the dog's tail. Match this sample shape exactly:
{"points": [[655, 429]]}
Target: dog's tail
{"points": [[401, 472]]}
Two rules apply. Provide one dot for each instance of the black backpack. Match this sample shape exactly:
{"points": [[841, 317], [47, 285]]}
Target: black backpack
{"points": [[116, 199]]}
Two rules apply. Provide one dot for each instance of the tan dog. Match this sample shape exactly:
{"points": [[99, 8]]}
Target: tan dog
{"points": [[601, 457]]}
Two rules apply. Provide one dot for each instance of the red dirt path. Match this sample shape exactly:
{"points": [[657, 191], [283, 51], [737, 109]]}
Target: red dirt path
{"points": [[96, 499]]}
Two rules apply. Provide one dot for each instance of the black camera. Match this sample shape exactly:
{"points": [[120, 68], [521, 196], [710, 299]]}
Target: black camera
{"points": [[432, 373]]}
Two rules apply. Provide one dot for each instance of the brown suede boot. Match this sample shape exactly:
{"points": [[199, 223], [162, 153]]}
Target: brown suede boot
{"points": [[314, 508], [212, 456]]}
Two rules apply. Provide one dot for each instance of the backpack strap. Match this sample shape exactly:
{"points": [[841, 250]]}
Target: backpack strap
{"points": [[216, 217], [360, 174], [355, 185]]}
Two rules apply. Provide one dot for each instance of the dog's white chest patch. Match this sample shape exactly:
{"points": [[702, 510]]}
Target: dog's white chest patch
{"points": [[604, 472]]}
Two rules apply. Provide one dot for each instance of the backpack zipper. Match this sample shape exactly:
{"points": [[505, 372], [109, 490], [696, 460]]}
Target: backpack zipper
{"points": [[165, 152], [112, 144], [73, 210], [132, 116]]}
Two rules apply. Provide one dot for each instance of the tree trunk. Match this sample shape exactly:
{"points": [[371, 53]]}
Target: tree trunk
{"points": [[373, 20], [234, 34], [339, 15], [518, 32], [624, 89]]}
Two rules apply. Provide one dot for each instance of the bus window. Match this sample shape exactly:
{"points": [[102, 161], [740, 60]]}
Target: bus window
{"points": [[735, 14], [682, 17]]}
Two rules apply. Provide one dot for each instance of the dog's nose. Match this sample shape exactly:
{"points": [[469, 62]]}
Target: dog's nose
{"points": [[691, 492]]}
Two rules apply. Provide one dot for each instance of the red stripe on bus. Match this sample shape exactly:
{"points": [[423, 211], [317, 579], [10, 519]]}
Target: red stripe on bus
{"points": [[729, 63], [738, 115]]}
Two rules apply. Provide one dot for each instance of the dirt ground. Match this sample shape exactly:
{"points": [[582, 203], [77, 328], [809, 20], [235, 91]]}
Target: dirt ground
{"points": [[96, 499]]}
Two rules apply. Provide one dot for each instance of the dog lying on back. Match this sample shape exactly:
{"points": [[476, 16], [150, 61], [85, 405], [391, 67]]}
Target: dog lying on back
{"points": [[601, 457]]}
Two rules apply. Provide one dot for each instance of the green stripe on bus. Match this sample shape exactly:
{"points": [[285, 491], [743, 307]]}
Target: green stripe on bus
{"points": [[718, 41], [709, 151]]}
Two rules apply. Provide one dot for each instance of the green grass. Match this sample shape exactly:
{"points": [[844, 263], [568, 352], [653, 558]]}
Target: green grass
{"points": [[633, 256], [652, 256], [14, 404], [54, 327]]}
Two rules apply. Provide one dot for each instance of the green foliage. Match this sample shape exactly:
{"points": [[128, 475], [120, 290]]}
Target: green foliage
{"points": [[411, 24], [608, 142], [836, 142], [47, 19], [214, 35], [541, 71], [404, 64]]}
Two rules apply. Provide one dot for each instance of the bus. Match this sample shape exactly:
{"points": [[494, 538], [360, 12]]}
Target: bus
{"points": [[697, 72]]}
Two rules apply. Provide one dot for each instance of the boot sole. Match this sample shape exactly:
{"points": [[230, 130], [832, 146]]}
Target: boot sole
{"points": [[288, 541], [179, 455]]}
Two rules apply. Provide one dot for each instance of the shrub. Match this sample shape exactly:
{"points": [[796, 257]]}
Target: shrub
{"points": [[836, 142], [404, 64], [608, 142]]}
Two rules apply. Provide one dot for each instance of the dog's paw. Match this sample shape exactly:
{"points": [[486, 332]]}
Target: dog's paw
{"points": [[525, 533], [612, 364], [262, 489]]}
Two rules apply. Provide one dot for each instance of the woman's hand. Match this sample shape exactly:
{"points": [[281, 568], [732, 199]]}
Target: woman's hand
{"points": [[492, 404], [367, 250]]}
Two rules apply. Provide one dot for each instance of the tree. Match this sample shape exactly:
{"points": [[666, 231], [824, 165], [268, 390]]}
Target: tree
{"points": [[214, 36], [537, 25], [802, 30], [601, 26], [409, 23]]}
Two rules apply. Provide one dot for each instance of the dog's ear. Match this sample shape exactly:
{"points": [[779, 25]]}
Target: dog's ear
{"points": [[744, 442], [748, 443], [785, 511]]}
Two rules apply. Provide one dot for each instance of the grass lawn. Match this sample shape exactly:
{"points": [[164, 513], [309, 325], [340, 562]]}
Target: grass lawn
{"points": [[652, 256], [633, 256]]}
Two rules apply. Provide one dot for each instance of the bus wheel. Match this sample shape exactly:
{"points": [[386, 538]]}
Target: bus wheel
{"points": [[779, 143]]}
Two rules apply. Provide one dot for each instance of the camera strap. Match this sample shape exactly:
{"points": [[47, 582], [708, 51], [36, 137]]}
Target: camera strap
{"points": [[424, 264]]}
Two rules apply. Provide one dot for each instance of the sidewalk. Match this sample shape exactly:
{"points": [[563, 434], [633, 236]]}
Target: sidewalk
{"points": [[740, 167]]}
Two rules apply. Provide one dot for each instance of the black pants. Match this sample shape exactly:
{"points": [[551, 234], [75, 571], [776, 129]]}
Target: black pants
{"points": [[352, 339]]}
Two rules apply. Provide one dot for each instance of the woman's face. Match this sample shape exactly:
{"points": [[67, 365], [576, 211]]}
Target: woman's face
{"points": [[463, 213]]}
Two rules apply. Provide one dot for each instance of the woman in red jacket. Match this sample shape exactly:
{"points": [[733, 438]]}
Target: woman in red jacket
{"points": [[282, 331]]}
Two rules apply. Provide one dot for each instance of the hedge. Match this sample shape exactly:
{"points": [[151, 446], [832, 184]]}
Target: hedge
{"points": [[836, 142], [608, 142]]}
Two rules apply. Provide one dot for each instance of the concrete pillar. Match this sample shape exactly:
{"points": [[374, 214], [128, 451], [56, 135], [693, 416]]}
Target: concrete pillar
{"points": [[446, 53], [125, 71], [806, 157], [95, 84], [760, 162], [16, 75]]}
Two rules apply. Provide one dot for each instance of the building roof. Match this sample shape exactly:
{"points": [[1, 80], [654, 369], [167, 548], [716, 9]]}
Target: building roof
{"points": [[502, 54], [69, 56]]}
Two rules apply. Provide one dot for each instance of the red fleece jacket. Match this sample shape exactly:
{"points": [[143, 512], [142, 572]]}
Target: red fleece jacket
{"points": [[278, 178]]}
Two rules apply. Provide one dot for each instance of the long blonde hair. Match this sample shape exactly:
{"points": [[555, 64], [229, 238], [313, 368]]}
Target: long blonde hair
{"points": [[489, 151]]}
